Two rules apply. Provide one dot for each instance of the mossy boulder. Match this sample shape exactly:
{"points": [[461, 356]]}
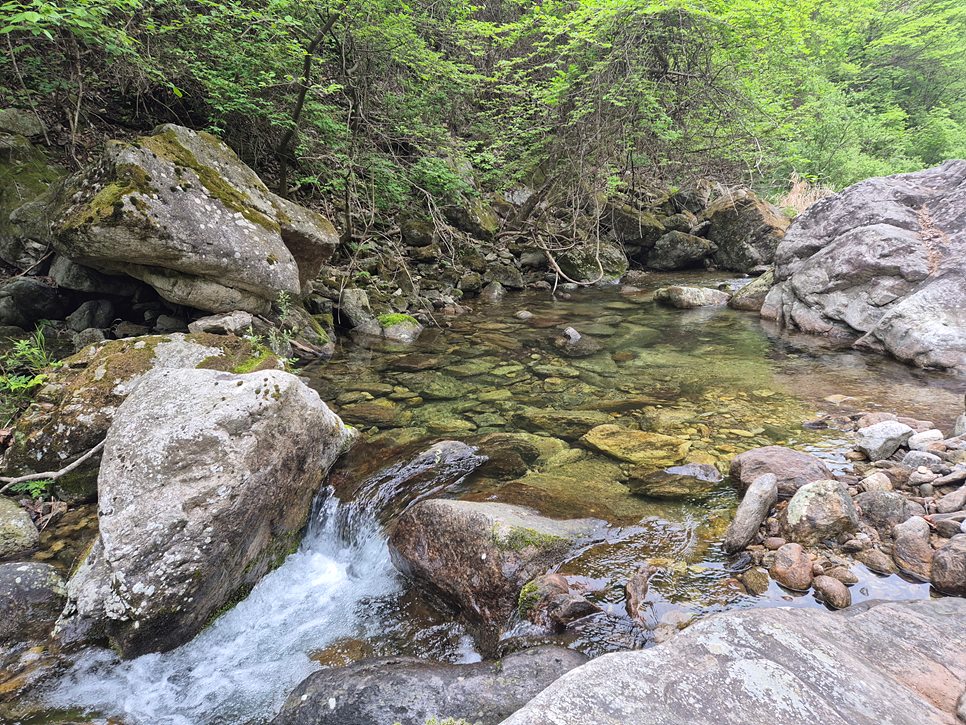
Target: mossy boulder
{"points": [[603, 262], [479, 555], [181, 212], [73, 412], [746, 230]]}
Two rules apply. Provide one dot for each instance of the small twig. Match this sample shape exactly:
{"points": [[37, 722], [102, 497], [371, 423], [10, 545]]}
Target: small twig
{"points": [[49, 475]]}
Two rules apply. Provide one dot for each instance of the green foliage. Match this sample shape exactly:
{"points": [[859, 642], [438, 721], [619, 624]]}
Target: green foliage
{"points": [[34, 489], [23, 370]]}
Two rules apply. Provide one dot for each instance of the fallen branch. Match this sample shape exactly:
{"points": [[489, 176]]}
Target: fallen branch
{"points": [[49, 475]]}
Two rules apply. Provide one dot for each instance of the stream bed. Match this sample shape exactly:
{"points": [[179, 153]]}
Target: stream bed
{"points": [[716, 381]]}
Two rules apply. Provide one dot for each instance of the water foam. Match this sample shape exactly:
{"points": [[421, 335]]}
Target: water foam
{"points": [[242, 666]]}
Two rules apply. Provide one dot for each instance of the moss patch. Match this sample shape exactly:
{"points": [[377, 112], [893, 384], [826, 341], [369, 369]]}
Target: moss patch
{"points": [[528, 598], [518, 539], [397, 318], [108, 203]]}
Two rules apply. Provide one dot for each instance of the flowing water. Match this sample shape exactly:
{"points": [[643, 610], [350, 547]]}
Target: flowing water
{"points": [[714, 382]]}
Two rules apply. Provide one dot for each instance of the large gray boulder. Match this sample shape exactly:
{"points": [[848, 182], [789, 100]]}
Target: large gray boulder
{"points": [[896, 662], [745, 229], [181, 212], [819, 511], [478, 556], [410, 691], [205, 485], [882, 259]]}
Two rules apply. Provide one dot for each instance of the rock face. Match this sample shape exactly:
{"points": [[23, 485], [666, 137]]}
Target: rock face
{"points": [[819, 511], [31, 597], [754, 507], [882, 259], [479, 555], [746, 231], [205, 485], [793, 469], [410, 691], [897, 662], [17, 530], [179, 211], [687, 298], [75, 409]]}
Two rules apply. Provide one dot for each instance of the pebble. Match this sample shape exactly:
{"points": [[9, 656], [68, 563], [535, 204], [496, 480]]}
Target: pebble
{"points": [[524, 315], [832, 592], [844, 575]]}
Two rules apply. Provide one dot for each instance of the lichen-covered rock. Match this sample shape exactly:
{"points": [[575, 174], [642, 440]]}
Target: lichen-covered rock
{"points": [[73, 412], [792, 468], [746, 231], [882, 259], [411, 691], [751, 297], [895, 662], [479, 555], [31, 598], [679, 250], [17, 530], [392, 327], [687, 298], [819, 511], [179, 211], [206, 483], [600, 262], [20, 122]]}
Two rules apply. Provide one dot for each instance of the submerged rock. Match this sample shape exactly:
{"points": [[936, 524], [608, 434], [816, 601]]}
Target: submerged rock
{"points": [[777, 666], [567, 424], [181, 212], [31, 598], [691, 297], [689, 480], [882, 259], [636, 446], [411, 691], [793, 469], [206, 484], [479, 555]]}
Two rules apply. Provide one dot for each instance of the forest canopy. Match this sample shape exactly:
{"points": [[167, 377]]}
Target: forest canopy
{"points": [[383, 103]]}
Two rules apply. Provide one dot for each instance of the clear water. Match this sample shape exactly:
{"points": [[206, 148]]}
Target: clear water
{"points": [[718, 380]]}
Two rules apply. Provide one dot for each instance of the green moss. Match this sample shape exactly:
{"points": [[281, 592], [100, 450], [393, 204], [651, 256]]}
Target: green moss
{"points": [[529, 596], [167, 146], [518, 539], [108, 203], [397, 318]]}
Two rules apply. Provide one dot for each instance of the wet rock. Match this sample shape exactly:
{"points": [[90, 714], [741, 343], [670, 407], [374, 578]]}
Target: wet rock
{"points": [[793, 469], [876, 654], [912, 552], [751, 297], [550, 602], [832, 592], [493, 292], [792, 568], [76, 407], [756, 580], [844, 575], [688, 481], [635, 593], [882, 439], [479, 555], [17, 530], [876, 561], [948, 573], [179, 211], [883, 510], [638, 447], [573, 344], [820, 511], [679, 250], [752, 511], [206, 484], [231, 323], [31, 598], [856, 262], [411, 691], [746, 230], [691, 297]]}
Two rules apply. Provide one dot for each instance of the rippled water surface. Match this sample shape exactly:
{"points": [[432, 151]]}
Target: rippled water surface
{"points": [[714, 381]]}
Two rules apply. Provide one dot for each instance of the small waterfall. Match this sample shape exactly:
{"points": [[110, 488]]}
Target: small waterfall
{"points": [[240, 669]]}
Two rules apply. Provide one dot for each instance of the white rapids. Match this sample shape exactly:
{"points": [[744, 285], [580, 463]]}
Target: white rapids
{"points": [[240, 668]]}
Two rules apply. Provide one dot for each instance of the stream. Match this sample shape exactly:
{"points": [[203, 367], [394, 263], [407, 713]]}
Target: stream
{"points": [[717, 380]]}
